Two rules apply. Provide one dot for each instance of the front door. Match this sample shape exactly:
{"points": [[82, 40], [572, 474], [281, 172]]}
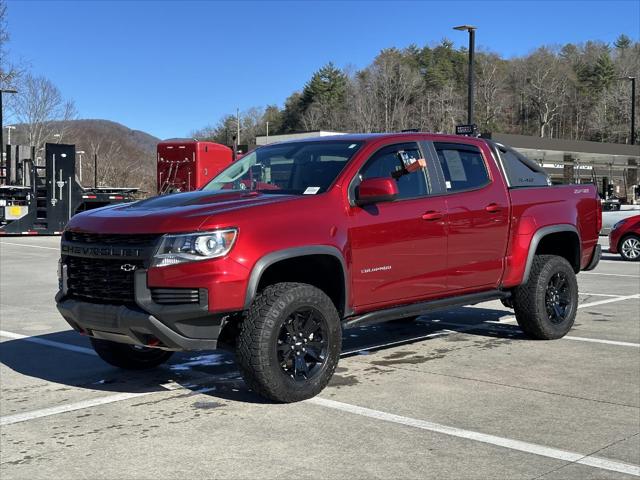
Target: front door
{"points": [[399, 248]]}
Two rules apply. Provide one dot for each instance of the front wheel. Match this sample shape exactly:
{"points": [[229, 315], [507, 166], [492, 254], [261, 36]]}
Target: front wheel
{"points": [[129, 357], [289, 343], [630, 248], [546, 305]]}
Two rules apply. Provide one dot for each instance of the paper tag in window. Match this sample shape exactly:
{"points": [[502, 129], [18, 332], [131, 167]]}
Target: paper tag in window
{"points": [[448, 184], [311, 190]]}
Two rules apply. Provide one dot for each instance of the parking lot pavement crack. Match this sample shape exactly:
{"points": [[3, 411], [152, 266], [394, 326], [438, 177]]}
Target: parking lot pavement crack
{"points": [[459, 377], [585, 460]]}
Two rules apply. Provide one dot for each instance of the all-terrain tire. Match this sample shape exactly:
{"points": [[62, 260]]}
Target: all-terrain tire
{"points": [[129, 357], [530, 300], [628, 248], [260, 338]]}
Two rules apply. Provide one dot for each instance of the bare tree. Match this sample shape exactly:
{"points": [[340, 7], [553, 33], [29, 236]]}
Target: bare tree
{"points": [[396, 84], [546, 86], [9, 72], [491, 79], [42, 110]]}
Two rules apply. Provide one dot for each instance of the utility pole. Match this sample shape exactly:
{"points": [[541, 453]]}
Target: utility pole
{"points": [[238, 125], [95, 170], [472, 44], [3, 90], [9, 128], [267, 132]]}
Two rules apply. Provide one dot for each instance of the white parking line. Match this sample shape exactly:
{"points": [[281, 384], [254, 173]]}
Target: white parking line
{"points": [[610, 274], [94, 402], [563, 455], [29, 246], [48, 343], [598, 340], [68, 407], [599, 295], [611, 300]]}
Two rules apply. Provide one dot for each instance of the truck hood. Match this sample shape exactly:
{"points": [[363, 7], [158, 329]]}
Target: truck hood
{"points": [[179, 212]]}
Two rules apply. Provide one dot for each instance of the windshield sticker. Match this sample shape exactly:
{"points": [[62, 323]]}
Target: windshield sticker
{"points": [[448, 184], [311, 190], [353, 145]]}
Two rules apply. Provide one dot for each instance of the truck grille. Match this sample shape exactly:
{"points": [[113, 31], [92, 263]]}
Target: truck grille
{"points": [[175, 296], [101, 280], [140, 240]]}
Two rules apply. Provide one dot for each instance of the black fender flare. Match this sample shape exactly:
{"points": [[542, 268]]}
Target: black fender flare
{"points": [[539, 235], [269, 259]]}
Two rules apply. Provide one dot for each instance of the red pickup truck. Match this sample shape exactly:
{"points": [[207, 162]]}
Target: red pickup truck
{"points": [[297, 241]]}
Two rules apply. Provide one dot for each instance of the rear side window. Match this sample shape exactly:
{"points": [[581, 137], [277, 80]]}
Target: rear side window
{"points": [[520, 171], [462, 165], [386, 161]]}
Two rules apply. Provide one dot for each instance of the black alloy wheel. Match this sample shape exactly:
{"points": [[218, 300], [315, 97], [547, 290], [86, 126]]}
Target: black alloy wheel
{"points": [[558, 298], [302, 345]]}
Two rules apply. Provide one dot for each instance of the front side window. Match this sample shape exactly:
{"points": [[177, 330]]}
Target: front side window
{"points": [[462, 165], [388, 161], [296, 168]]}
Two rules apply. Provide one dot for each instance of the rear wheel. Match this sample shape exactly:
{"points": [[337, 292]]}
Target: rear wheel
{"points": [[289, 343], [630, 248], [129, 357], [546, 305]]}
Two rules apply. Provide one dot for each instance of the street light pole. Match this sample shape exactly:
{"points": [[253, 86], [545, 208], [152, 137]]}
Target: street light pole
{"points": [[632, 139], [633, 110], [3, 90], [472, 45]]}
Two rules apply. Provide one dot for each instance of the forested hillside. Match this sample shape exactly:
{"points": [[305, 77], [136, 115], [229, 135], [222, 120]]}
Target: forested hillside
{"points": [[572, 92]]}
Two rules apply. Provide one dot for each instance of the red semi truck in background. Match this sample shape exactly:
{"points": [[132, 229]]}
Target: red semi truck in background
{"points": [[186, 165]]}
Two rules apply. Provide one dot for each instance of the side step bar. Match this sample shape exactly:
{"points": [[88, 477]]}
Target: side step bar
{"points": [[414, 309]]}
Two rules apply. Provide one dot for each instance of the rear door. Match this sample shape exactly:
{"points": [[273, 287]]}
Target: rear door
{"points": [[398, 249], [477, 206]]}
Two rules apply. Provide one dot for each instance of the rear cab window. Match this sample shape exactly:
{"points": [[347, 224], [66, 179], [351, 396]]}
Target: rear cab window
{"points": [[519, 170]]}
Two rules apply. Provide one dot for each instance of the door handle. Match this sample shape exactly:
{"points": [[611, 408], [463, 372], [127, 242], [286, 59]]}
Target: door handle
{"points": [[493, 208], [432, 215]]}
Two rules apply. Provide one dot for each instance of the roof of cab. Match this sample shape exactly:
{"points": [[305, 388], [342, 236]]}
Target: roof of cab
{"points": [[367, 137]]}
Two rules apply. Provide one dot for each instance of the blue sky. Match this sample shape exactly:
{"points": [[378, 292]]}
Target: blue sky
{"points": [[169, 67]]}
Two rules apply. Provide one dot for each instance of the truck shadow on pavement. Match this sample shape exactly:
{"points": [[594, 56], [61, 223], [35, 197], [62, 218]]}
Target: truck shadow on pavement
{"points": [[215, 372]]}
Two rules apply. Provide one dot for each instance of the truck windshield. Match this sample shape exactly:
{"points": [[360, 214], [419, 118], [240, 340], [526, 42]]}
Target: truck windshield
{"points": [[290, 168]]}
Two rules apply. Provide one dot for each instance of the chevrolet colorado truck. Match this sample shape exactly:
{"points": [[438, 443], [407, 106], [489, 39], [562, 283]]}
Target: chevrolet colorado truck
{"points": [[297, 241]]}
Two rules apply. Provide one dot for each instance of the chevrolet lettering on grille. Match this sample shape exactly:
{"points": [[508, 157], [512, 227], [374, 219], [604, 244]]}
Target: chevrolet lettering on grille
{"points": [[68, 249]]}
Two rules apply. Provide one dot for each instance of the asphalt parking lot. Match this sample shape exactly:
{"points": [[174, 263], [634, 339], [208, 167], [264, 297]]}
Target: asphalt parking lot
{"points": [[458, 394]]}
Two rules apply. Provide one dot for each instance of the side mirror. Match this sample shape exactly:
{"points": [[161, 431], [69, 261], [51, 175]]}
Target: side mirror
{"points": [[375, 190]]}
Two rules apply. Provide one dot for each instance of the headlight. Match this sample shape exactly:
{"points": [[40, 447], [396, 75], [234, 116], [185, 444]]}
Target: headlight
{"points": [[618, 224], [192, 247]]}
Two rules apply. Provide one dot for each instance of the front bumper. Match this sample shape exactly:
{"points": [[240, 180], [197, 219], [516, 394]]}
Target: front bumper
{"points": [[171, 327]]}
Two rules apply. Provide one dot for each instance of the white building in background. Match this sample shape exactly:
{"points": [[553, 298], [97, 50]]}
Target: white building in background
{"points": [[264, 140]]}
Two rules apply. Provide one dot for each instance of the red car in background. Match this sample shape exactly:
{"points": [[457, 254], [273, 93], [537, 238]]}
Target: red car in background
{"points": [[625, 238]]}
